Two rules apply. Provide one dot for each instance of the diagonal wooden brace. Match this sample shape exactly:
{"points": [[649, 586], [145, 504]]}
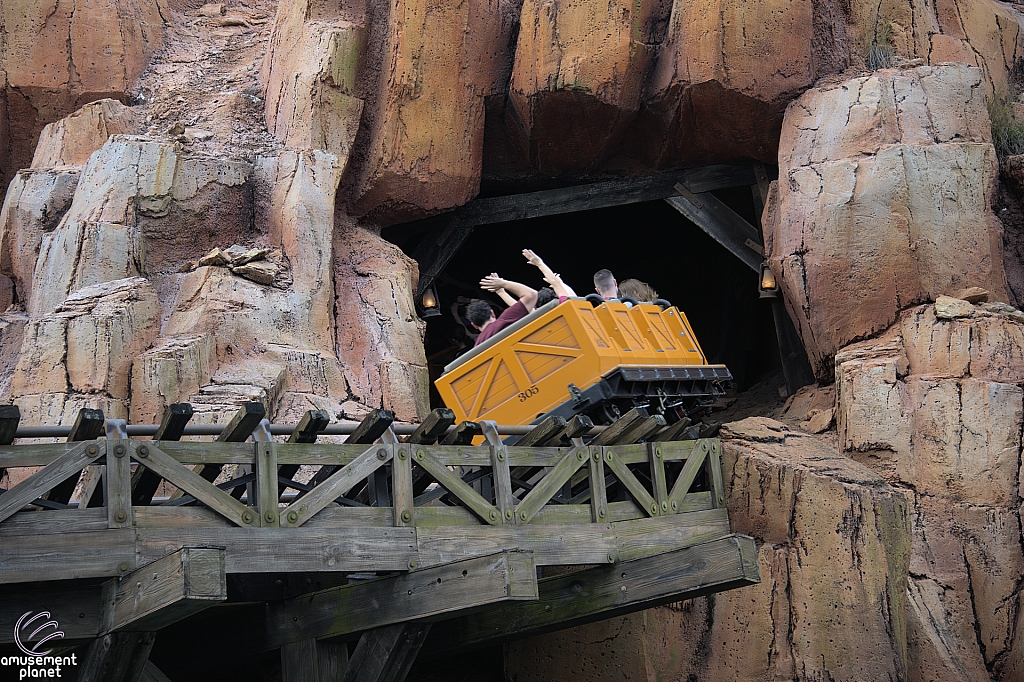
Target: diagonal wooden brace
{"points": [[188, 481], [38, 484], [626, 478], [456, 486], [552, 483], [336, 485], [691, 468]]}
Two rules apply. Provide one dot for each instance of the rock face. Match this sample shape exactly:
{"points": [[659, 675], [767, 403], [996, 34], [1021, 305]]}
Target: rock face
{"points": [[60, 55], [884, 200], [834, 544], [935, 406]]}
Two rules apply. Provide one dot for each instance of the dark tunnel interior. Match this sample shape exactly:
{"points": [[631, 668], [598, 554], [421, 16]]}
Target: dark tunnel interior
{"points": [[649, 241]]}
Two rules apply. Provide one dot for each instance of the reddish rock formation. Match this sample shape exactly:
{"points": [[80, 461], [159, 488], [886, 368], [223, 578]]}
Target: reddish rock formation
{"points": [[884, 200], [60, 55], [834, 543], [935, 406]]}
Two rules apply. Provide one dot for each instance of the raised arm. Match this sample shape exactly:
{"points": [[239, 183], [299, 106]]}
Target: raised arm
{"points": [[526, 295], [504, 295], [553, 278]]}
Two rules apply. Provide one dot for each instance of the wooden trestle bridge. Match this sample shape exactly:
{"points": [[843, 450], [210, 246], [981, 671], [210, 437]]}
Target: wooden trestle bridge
{"points": [[416, 544]]}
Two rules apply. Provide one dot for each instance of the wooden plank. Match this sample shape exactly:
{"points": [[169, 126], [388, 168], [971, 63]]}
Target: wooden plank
{"points": [[676, 431], [117, 657], [117, 481], [88, 426], [622, 425], [714, 465], [306, 431], [598, 490], [601, 194], [659, 480], [188, 481], [548, 428], [76, 609], [401, 482], [314, 550], [722, 224], [463, 434], [690, 470], [342, 481], [574, 428], [411, 596], [627, 479], [641, 430], [164, 591], [433, 427], [172, 427], [457, 487], [551, 483], [56, 522], [501, 475], [603, 592], [387, 654], [61, 470], [370, 429], [313, 661], [31, 558], [237, 430], [267, 487]]}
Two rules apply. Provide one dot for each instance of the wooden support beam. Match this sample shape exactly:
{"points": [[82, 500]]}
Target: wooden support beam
{"points": [[172, 427], [446, 233], [164, 591], [574, 428], [313, 661], [412, 596], [147, 599], [306, 431], [433, 427], [88, 426], [387, 654], [677, 431], [606, 591], [543, 432], [463, 434], [117, 657], [370, 429], [722, 224], [10, 415], [641, 430], [621, 427], [64, 468]]}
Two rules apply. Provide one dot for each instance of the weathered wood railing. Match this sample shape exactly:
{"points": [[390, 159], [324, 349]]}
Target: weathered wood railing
{"points": [[452, 527]]}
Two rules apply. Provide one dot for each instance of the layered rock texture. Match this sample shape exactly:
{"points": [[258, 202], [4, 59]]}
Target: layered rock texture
{"points": [[884, 200], [834, 545]]}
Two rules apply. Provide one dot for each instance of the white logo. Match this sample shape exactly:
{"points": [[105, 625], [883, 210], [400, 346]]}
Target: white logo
{"points": [[23, 625]]}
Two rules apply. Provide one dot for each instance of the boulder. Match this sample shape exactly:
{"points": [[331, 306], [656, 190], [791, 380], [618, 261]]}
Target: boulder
{"points": [[834, 545], [889, 209], [379, 334], [424, 113], [72, 140], [60, 55], [726, 71], [577, 81], [36, 201], [167, 373], [935, 406]]}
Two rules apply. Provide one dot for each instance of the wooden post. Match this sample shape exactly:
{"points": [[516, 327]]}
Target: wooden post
{"points": [[10, 415], [386, 654], [118, 484], [172, 427], [500, 472], [117, 657], [659, 480], [313, 661], [598, 491], [713, 463], [88, 426], [267, 489], [401, 480]]}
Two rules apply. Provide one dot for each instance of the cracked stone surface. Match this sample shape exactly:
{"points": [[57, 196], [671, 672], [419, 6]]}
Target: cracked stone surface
{"points": [[936, 407], [884, 201]]}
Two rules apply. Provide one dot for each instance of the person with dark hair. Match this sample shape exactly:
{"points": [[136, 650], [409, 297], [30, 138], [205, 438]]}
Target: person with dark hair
{"points": [[481, 315], [545, 295], [605, 284]]}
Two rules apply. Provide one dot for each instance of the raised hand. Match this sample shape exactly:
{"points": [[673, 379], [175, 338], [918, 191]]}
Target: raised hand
{"points": [[492, 283], [532, 258]]}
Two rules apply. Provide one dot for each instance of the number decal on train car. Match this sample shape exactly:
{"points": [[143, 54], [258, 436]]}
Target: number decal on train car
{"points": [[528, 393]]}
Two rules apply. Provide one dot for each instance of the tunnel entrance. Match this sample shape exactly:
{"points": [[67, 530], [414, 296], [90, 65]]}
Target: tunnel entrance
{"points": [[650, 241]]}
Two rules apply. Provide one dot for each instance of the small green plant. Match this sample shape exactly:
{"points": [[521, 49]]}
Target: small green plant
{"points": [[881, 54], [1007, 128]]}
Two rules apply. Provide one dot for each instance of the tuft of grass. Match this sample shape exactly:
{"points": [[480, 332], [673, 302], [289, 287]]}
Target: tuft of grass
{"points": [[881, 54], [1007, 129]]}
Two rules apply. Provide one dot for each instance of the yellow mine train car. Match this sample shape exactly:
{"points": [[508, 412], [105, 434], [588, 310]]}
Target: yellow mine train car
{"points": [[573, 358]]}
